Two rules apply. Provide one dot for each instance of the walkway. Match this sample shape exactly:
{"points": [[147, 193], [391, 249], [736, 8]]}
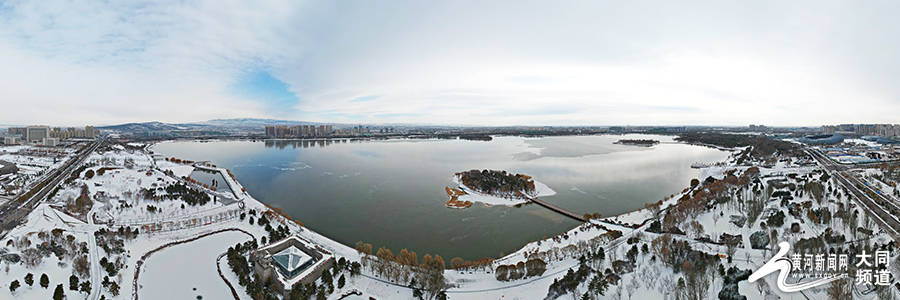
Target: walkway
{"points": [[558, 209]]}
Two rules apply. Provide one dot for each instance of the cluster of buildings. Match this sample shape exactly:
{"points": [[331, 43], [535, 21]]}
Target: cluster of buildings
{"points": [[44, 135], [299, 131], [311, 131], [862, 154], [884, 130]]}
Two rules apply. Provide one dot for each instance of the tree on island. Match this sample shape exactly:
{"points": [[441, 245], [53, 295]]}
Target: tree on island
{"points": [[497, 182]]}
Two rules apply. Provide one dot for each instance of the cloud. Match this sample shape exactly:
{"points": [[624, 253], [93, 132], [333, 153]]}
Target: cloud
{"points": [[460, 62], [261, 86]]}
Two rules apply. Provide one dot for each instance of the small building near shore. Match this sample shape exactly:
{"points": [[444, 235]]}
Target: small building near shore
{"points": [[290, 261]]}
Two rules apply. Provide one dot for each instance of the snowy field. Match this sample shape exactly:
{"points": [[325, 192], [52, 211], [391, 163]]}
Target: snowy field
{"points": [[195, 266]]}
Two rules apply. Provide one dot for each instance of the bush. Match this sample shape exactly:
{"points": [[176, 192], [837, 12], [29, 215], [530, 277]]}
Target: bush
{"points": [[58, 293], [776, 219], [502, 273], [73, 282], [536, 267]]}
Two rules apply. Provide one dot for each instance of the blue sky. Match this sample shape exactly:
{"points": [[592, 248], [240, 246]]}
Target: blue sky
{"points": [[451, 62], [261, 86]]}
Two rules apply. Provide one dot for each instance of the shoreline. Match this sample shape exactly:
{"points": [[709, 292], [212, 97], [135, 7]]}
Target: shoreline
{"points": [[489, 200]]}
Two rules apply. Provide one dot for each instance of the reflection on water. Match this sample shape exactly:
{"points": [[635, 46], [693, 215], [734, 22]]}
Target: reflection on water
{"points": [[390, 192], [212, 179], [281, 144]]}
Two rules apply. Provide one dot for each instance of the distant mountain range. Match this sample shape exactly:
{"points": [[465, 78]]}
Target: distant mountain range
{"points": [[151, 126], [250, 122], [216, 126]]}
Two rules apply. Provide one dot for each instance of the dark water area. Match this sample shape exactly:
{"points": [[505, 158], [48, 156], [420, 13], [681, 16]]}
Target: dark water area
{"points": [[391, 192]]}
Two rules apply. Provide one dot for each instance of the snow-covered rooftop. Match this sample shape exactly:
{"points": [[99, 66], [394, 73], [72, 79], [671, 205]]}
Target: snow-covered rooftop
{"points": [[291, 258]]}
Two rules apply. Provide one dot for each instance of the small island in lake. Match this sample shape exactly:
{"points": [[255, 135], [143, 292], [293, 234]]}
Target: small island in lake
{"points": [[454, 194], [494, 187], [644, 143]]}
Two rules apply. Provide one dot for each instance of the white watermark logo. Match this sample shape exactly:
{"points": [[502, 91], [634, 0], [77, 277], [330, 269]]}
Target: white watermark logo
{"points": [[784, 266], [870, 268]]}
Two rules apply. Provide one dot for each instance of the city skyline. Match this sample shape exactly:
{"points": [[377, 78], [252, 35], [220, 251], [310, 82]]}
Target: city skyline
{"points": [[507, 63]]}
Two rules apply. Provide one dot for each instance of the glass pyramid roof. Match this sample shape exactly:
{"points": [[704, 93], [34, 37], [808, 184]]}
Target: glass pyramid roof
{"points": [[291, 258]]}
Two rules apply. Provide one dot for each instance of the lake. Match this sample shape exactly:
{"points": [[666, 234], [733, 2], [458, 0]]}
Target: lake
{"points": [[391, 192]]}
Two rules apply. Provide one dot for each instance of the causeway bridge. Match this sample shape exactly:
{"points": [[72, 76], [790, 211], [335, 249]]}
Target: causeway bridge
{"points": [[558, 209]]}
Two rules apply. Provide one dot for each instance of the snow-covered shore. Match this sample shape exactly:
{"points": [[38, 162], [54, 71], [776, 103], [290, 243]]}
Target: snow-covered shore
{"points": [[541, 190]]}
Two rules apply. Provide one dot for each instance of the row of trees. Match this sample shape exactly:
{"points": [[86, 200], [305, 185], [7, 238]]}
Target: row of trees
{"points": [[529, 268], [427, 277], [179, 161], [29, 280], [189, 195], [58, 293]]}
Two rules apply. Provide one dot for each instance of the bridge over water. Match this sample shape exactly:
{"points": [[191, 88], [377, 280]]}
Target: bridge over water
{"points": [[558, 209]]}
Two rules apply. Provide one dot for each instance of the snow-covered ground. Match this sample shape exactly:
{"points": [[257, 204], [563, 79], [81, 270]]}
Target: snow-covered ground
{"points": [[541, 190], [195, 260], [180, 170]]}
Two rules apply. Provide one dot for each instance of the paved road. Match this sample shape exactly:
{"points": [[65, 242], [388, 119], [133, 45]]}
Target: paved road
{"points": [[876, 205], [13, 213]]}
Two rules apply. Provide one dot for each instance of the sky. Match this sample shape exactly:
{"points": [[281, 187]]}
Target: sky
{"points": [[781, 63]]}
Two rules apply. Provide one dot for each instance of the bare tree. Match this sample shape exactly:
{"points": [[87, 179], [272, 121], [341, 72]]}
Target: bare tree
{"points": [[884, 292], [695, 228], [773, 239], [697, 279], [730, 249], [654, 208], [839, 289]]}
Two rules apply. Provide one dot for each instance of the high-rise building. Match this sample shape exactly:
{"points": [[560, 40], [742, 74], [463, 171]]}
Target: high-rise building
{"points": [[35, 134], [885, 130], [16, 131], [302, 131], [90, 132], [282, 131]]}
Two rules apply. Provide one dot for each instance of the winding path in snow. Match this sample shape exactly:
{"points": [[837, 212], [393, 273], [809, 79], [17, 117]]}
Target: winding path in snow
{"points": [[228, 283], [140, 262]]}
